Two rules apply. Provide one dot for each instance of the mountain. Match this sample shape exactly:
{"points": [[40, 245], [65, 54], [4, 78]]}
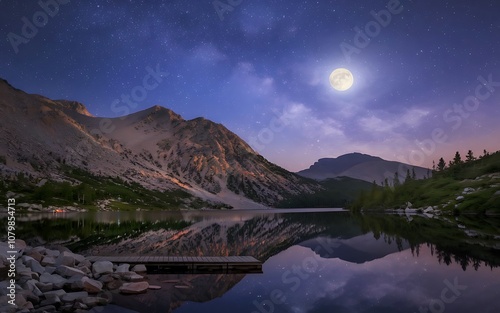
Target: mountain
{"points": [[361, 166], [155, 148]]}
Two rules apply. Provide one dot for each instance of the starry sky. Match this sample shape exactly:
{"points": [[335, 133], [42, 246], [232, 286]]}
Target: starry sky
{"points": [[427, 73]]}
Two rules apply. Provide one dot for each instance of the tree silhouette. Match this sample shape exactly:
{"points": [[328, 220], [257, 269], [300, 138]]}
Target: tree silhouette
{"points": [[396, 182], [441, 165], [457, 159], [470, 156]]}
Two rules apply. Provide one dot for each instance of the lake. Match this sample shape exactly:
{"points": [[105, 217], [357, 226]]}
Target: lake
{"points": [[314, 260]]}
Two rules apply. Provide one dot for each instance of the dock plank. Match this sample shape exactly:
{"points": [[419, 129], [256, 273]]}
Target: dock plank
{"points": [[189, 264]]}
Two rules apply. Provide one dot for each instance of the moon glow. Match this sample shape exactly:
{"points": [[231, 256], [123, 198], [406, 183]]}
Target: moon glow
{"points": [[341, 79]]}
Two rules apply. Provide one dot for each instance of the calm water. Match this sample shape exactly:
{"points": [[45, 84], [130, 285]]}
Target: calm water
{"points": [[313, 261]]}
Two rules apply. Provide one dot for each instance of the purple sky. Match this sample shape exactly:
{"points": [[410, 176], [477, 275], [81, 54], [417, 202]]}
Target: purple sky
{"points": [[261, 68]]}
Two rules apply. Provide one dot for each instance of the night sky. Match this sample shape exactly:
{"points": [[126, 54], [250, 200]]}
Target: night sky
{"points": [[261, 68]]}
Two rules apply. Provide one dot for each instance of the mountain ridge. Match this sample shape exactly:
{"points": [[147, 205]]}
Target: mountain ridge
{"points": [[155, 147], [364, 167]]}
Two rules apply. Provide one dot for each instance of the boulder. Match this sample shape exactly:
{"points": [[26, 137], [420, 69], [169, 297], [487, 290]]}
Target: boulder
{"points": [[154, 287], [122, 268], [48, 261], [58, 293], [106, 278], [102, 267], [35, 255], [52, 253], [84, 269], [85, 263], [67, 271], [35, 266], [460, 198], [468, 190], [74, 283], [51, 299], [44, 287], [30, 296], [132, 276], [39, 249], [57, 280], [429, 210], [65, 259], [139, 268], [91, 285], [134, 288]]}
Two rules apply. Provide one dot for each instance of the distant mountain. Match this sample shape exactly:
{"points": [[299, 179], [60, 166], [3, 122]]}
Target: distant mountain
{"points": [[361, 166], [359, 249], [155, 147]]}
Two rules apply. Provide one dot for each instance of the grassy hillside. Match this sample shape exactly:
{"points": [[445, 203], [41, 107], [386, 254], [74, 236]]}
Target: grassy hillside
{"points": [[88, 190], [471, 186], [336, 193]]}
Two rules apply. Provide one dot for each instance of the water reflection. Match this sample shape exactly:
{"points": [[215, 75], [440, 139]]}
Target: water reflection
{"points": [[314, 261]]}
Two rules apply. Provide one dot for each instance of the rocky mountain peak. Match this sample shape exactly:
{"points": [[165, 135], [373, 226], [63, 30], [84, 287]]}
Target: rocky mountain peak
{"points": [[74, 106]]}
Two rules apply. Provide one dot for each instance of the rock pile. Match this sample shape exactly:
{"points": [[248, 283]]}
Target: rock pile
{"points": [[50, 280]]}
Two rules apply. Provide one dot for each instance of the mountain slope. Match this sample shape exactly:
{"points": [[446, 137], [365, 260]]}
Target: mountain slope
{"points": [[363, 167], [155, 147]]}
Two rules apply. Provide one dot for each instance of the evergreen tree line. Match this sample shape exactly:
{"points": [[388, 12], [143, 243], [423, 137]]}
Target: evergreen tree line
{"points": [[417, 191]]}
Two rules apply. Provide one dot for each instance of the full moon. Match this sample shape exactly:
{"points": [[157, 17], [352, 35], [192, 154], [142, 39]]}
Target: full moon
{"points": [[341, 79]]}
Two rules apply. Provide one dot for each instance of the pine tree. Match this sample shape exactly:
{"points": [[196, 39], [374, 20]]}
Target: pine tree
{"points": [[441, 165], [470, 156], [457, 160], [413, 174], [408, 176], [396, 180]]}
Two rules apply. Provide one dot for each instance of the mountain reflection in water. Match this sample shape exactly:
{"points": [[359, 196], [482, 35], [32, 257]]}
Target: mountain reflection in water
{"points": [[313, 261]]}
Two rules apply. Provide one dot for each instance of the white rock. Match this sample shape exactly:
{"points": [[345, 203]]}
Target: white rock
{"points": [[139, 268], [122, 268], [134, 288], [460, 198], [102, 267], [468, 190], [132, 276]]}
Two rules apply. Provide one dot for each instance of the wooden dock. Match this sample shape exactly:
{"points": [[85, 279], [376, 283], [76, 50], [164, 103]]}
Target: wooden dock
{"points": [[189, 265]]}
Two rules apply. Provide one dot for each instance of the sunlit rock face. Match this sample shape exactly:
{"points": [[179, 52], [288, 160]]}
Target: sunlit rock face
{"points": [[155, 147]]}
